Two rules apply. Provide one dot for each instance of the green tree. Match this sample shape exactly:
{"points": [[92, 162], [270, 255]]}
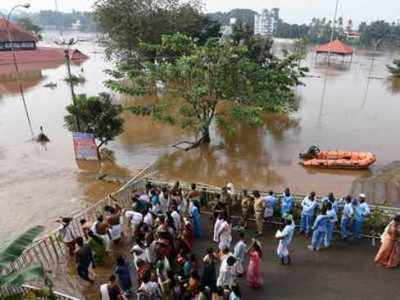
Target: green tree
{"points": [[209, 29], [128, 23], [217, 81], [379, 32], [27, 24], [97, 115], [13, 249], [241, 32], [395, 69]]}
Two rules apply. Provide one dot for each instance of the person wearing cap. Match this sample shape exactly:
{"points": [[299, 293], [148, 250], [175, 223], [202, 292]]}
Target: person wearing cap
{"points": [[346, 217], [361, 211], [309, 204], [285, 238]]}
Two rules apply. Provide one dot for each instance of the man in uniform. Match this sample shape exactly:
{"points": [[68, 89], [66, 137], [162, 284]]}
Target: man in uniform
{"points": [[259, 207]]}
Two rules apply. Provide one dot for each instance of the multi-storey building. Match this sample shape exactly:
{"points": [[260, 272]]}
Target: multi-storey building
{"points": [[266, 22]]}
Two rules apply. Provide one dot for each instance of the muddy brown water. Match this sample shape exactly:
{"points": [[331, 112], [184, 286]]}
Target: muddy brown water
{"points": [[343, 110]]}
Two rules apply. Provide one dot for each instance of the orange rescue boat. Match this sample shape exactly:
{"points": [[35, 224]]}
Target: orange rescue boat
{"points": [[337, 159]]}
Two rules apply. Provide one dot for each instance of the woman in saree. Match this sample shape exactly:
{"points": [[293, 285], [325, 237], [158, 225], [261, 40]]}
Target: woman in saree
{"points": [[254, 277], [389, 253], [98, 247]]}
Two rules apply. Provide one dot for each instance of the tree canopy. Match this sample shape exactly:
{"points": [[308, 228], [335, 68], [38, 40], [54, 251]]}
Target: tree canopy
{"points": [[128, 23], [97, 115], [216, 81]]}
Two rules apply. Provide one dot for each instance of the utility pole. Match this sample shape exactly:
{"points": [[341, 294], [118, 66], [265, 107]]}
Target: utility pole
{"points": [[333, 29], [70, 81], [20, 88]]}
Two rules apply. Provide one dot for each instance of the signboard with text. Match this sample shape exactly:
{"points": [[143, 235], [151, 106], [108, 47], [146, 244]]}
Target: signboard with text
{"points": [[84, 146]]}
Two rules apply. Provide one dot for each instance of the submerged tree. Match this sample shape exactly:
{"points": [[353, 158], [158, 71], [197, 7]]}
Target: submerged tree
{"points": [[218, 81], [97, 115], [395, 69]]}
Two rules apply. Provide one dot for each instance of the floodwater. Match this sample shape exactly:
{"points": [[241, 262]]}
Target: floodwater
{"points": [[339, 108]]}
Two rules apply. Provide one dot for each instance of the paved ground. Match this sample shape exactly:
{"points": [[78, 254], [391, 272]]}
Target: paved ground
{"points": [[346, 271]]}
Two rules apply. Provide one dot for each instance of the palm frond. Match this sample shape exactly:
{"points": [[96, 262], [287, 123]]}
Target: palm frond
{"points": [[11, 250], [20, 277]]}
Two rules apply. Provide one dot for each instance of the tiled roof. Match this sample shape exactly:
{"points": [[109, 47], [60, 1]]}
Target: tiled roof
{"points": [[40, 54], [336, 47], [17, 33]]}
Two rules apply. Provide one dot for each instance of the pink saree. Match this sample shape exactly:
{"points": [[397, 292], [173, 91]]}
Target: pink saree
{"points": [[254, 278]]}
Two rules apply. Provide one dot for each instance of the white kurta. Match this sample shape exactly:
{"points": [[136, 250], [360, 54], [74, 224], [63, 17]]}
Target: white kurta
{"points": [[226, 273], [217, 227], [225, 236], [287, 234]]}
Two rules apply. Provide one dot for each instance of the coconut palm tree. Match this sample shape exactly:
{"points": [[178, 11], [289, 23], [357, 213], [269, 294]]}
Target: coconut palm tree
{"points": [[11, 250]]}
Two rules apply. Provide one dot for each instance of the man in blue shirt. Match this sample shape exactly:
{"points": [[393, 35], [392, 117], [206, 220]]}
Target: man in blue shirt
{"points": [[361, 211], [320, 229], [286, 203], [346, 217]]}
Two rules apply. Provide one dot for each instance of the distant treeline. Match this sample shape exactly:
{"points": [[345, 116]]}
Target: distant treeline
{"points": [[376, 33], [319, 29], [62, 20]]}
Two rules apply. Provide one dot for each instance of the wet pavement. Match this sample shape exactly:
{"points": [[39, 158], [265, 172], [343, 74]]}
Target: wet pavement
{"points": [[346, 271]]}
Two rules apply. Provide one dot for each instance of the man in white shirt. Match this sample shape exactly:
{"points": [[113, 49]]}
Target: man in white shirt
{"points": [[285, 238], [148, 218], [67, 235], [309, 204], [177, 219]]}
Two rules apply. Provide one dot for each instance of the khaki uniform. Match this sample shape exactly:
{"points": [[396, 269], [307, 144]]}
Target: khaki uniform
{"points": [[259, 207], [246, 205]]}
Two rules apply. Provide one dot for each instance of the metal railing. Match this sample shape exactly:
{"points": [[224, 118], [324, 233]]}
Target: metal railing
{"points": [[50, 250], [25, 289]]}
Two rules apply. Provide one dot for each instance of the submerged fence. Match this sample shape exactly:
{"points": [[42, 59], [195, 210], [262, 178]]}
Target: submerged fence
{"points": [[51, 252]]}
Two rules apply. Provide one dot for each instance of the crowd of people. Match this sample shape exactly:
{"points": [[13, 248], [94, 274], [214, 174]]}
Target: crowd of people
{"points": [[164, 227]]}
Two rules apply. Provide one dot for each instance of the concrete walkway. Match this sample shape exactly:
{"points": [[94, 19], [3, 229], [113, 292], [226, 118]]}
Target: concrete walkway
{"points": [[346, 271]]}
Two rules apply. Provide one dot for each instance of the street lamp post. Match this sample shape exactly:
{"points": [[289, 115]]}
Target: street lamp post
{"points": [[71, 84], [21, 90]]}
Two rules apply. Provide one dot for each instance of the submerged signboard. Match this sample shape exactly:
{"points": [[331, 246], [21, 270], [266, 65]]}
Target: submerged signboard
{"points": [[84, 146]]}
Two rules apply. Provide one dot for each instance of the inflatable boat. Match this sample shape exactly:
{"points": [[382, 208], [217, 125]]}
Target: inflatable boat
{"points": [[337, 159]]}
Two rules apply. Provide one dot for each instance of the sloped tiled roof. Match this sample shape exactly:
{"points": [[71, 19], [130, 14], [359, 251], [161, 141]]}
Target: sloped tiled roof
{"points": [[40, 54], [17, 33], [336, 47]]}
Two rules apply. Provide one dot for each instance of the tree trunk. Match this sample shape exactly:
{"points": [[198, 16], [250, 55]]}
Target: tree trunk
{"points": [[205, 139]]}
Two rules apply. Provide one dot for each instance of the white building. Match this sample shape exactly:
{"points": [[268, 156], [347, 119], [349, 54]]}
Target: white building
{"points": [[266, 22], [226, 31]]}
